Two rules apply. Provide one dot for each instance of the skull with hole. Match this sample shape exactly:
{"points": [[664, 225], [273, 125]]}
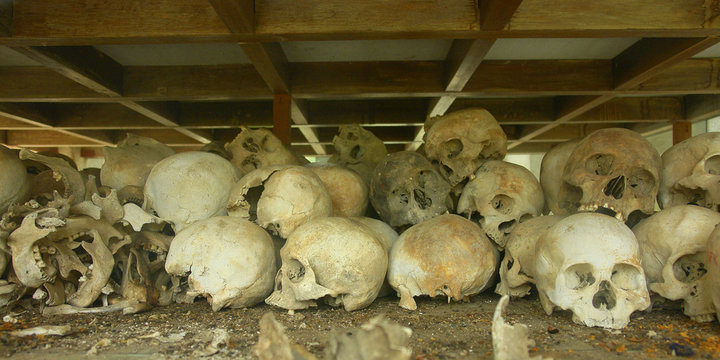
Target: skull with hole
{"points": [[691, 173], [517, 267], [589, 263], [406, 189], [419, 262], [280, 198], [14, 182], [614, 171], [551, 173], [259, 148], [500, 196], [672, 246], [712, 284], [333, 258], [460, 141], [190, 186], [229, 260], [348, 191], [358, 149], [130, 162]]}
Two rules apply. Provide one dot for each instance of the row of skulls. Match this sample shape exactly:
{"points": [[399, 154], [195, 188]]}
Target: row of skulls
{"points": [[251, 221]]}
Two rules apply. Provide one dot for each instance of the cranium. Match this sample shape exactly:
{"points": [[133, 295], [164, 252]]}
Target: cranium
{"points": [[190, 186], [589, 263], [387, 237], [712, 285], [14, 182], [691, 173], [229, 260], [73, 182], [614, 171], [419, 262], [517, 269], [358, 149], [333, 257], [280, 198], [130, 162], [551, 172], [259, 148], [460, 141], [406, 189], [672, 246], [499, 197], [348, 191]]}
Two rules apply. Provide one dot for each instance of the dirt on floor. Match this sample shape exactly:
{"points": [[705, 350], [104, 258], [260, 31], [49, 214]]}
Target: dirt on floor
{"points": [[440, 331]]}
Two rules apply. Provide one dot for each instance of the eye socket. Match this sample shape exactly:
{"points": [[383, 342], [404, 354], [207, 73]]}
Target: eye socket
{"points": [[641, 181], [599, 164], [502, 203], [690, 268], [626, 277], [453, 148], [712, 165], [579, 276]]}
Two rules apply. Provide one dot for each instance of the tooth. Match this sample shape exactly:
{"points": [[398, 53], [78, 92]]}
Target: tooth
{"points": [[619, 216]]}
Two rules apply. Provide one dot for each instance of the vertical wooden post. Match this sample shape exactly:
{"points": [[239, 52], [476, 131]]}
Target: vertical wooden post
{"points": [[682, 130], [281, 117]]}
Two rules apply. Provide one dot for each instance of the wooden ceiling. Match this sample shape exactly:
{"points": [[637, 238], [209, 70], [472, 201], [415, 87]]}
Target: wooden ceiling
{"points": [[65, 91]]}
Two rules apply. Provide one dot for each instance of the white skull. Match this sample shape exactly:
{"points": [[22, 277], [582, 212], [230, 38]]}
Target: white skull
{"points": [[517, 269], [672, 247], [280, 198], [589, 263], [229, 260], [14, 182], [334, 257], [130, 162], [406, 189], [348, 191], [712, 284], [190, 186], [615, 171], [691, 173], [358, 149], [551, 173], [259, 148], [460, 141], [446, 255], [501, 196], [387, 237]]}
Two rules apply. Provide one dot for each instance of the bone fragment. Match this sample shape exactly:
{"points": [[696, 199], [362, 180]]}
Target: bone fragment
{"points": [[510, 342], [273, 344], [45, 330], [70, 310], [378, 339]]}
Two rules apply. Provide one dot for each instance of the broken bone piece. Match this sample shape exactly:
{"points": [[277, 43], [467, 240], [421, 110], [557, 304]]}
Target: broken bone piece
{"points": [[137, 217], [510, 342], [378, 339], [273, 344], [44, 330], [70, 310]]}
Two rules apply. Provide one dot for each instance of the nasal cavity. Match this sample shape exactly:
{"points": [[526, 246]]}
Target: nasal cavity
{"points": [[616, 187], [604, 299], [423, 201]]}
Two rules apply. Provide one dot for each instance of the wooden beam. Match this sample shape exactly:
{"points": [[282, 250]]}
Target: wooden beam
{"points": [[163, 114], [299, 116], [681, 130], [701, 107], [281, 117], [496, 14], [270, 62], [6, 16], [48, 138], [238, 15]]}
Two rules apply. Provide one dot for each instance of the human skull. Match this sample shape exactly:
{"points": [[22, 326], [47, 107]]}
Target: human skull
{"points": [[460, 141], [614, 171], [14, 182], [387, 237], [229, 260], [348, 191], [446, 255], [517, 269], [280, 198], [500, 196], [358, 149], [130, 162], [589, 263], [672, 247], [712, 284], [691, 173], [332, 256], [72, 180], [190, 186], [406, 189], [551, 172], [259, 148]]}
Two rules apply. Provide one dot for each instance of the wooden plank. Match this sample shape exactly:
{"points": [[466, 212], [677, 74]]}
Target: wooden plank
{"points": [[54, 138], [238, 15], [270, 62], [40, 84], [162, 114], [681, 130], [36, 117], [464, 57], [701, 107], [299, 116], [496, 14], [226, 114], [281, 117], [169, 137], [6, 16]]}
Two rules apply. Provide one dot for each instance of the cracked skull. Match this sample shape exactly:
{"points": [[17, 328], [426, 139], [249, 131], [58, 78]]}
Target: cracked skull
{"points": [[420, 265], [459, 142], [614, 171], [672, 245], [589, 263], [259, 148], [358, 149], [406, 189], [129, 163], [501, 196], [333, 258]]}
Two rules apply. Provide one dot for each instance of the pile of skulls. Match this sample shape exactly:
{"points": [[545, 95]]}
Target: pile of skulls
{"points": [[252, 222]]}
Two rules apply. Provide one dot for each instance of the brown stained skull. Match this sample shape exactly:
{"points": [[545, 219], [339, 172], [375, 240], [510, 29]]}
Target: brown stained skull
{"points": [[358, 149], [613, 171], [259, 148], [129, 163], [406, 189]]}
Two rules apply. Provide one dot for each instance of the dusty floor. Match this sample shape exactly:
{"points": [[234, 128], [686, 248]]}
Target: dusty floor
{"points": [[440, 331]]}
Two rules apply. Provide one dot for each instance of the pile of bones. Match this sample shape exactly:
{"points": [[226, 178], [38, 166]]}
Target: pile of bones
{"points": [[251, 222]]}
